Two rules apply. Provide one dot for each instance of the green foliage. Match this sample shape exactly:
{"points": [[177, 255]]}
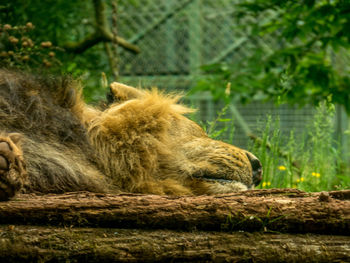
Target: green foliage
{"points": [[310, 161], [304, 62], [214, 131], [20, 50], [57, 22]]}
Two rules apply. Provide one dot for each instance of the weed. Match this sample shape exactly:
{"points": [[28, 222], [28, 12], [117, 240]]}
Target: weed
{"points": [[216, 130], [309, 161]]}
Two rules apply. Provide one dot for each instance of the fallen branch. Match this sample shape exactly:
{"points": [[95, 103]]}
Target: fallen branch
{"points": [[43, 244], [281, 210]]}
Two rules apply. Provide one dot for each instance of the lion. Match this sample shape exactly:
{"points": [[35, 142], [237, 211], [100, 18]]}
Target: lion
{"points": [[51, 141]]}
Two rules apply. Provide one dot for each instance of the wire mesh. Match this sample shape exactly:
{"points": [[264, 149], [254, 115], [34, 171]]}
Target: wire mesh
{"points": [[176, 37]]}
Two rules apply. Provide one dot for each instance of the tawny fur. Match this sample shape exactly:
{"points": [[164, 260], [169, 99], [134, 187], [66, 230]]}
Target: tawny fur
{"points": [[141, 143]]}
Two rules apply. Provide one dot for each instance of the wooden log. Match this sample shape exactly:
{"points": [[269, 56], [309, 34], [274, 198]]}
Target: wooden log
{"points": [[281, 210], [43, 244]]}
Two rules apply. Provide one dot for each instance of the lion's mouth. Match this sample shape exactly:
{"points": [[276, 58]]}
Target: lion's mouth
{"points": [[219, 180], [223, 178]]}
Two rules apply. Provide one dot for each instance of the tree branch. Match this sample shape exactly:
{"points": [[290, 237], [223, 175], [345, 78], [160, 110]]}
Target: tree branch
{"points": [[80, 46], [102, 34]]}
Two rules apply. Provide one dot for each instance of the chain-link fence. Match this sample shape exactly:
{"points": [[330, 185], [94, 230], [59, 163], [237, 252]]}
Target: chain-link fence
{"points": [[176, 37]]}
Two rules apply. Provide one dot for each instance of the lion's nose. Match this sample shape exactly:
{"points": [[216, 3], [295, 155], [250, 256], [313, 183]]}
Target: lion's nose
{"points": [[256, 168]]}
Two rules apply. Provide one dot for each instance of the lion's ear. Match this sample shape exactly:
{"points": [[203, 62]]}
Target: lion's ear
{"points": [[15, 137], [121, 92]]}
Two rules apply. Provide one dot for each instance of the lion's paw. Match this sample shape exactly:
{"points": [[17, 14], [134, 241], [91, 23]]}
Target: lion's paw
{"points": [[12, 167]]}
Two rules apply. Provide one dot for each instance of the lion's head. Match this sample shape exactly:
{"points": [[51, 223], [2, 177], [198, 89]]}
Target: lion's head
{"points": [[154, 148]]}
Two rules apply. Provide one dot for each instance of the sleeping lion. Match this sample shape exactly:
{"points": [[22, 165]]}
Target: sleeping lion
{"points": [[51, 141]]}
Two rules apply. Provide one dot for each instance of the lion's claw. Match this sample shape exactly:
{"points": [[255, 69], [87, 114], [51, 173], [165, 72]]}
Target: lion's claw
{"points": [[4, 147], [12, 171]]}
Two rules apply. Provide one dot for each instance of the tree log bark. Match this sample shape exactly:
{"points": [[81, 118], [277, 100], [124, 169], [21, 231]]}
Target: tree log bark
{"points": [[281, 210], [43, 244]]}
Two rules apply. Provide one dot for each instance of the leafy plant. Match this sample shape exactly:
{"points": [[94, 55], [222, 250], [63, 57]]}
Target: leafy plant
{"points": [[19, 49], [300, 55], [309, 161], [220, 126]]}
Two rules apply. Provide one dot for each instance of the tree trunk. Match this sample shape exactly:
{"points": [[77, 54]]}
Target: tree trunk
{"points": [[281, 210], [52, 244]]}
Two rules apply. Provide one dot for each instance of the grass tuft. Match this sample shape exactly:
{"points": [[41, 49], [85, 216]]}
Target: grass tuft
{"points": [[310, 161]]}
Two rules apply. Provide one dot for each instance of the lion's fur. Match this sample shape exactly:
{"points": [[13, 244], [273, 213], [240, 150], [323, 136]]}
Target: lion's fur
{"points": [[55, 145], [140, 143]]}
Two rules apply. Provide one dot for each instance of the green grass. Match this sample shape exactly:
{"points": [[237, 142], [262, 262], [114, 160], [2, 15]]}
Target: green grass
{"points": [[310, 161]]}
